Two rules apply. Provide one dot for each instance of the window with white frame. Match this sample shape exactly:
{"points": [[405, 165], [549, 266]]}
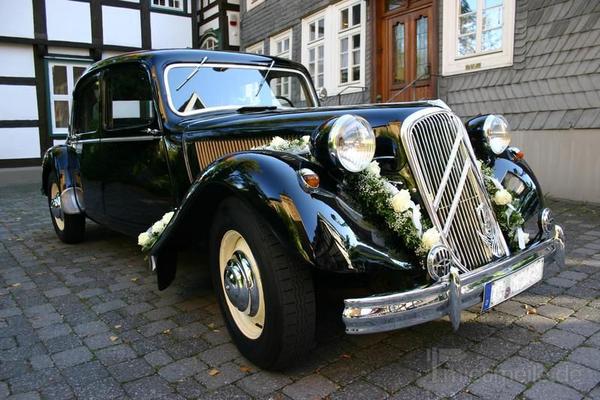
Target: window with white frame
{"points": [[316, 51], [62, 78], [257, 48], [281, 46], [478, 34], [338, 30], [250, 4], [168, 4]]}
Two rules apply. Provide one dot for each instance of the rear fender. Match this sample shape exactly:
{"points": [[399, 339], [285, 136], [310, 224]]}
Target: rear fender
{"points": [[62, 161]]}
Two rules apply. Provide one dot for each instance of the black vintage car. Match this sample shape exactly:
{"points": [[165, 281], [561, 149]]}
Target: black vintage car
{"points": [[420, 214]]}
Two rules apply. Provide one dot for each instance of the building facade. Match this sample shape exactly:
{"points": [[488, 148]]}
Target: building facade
{"points": [[535, 61], [45, 45]]}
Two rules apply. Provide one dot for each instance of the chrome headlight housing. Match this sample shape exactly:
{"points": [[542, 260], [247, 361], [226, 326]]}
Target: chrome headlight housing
{"points": [[497, 132], [351, 143]]}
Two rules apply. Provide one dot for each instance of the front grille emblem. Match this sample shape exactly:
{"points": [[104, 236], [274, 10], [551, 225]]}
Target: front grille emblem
{"points": [[488, 231]]}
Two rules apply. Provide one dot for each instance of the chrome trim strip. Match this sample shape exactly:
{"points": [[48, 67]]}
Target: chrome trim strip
{"points": [[456, 199], [438, 196], [221, 65], [119, 139]]}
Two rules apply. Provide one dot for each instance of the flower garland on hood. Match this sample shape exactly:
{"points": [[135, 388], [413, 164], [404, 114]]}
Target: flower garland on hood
{"points": [[505, 206], [381, 201]]}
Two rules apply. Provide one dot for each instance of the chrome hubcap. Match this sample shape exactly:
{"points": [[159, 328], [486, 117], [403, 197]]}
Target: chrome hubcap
{"points": [[240, 285], [56, 207]]}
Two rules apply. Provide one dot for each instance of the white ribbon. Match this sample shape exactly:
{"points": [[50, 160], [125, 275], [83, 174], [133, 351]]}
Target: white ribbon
{"points": [[416, 218], [522, 238]]}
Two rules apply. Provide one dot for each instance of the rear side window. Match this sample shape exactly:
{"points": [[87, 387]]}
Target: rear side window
{"points": [[87, 107], [128, 97]]}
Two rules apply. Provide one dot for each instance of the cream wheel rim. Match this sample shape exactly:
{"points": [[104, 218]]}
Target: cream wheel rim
{"points": [[241, 284], [56, 207]]}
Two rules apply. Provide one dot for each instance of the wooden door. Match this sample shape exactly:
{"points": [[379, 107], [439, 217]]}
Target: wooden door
{"points": [[406, 47]]}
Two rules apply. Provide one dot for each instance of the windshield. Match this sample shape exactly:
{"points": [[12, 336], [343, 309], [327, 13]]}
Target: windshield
{"points": [[195, 87]]}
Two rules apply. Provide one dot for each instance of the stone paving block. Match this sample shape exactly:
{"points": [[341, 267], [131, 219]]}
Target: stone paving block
{"points": [[262, 383], [496, 348], [181, 369], [495, 387], [160, 313], [581, 327], [563, 339], [115, 354], [41, 361], [82, 375], [150, 387], [102, 340], [34, 380], [60, 391], [575, 375], [56, 292], [52, 331], [71, 357], [520, 369], [62, 343], [393, 377], [344, 371], [158, 358], [108, 306], [312, 386], [190, 388], [359, 390], [546, 390], [229, 392], [220, 354], [588, 313], [228, 373], [588, 356], [554, 312], [104, 389], [536, 322], [131, 370], [412, 392], [471, 364], [443, 382], [25, 396], [594, 340], [90, 328], [156, 327]]}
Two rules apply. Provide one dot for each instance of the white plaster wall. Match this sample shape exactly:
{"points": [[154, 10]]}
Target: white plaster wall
{"points": [[17, 60], [107, 54], [68, 21], [121, 26], [170, 31], [566, 162], [19, 143], [18, 103], [16, 18], [72, 51], [213, 24]]}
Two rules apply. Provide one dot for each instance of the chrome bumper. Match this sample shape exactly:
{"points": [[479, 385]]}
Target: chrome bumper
{"points": [[448, 297]]}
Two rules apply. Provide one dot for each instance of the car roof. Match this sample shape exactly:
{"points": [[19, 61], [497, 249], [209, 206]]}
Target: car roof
{"points": [[161, 58]]}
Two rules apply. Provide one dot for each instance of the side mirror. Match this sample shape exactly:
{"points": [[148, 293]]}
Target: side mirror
{"points": [[322, 94]]}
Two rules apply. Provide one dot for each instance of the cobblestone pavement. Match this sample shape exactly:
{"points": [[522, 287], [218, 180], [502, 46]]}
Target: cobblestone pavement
{"points": [[87, 321]]}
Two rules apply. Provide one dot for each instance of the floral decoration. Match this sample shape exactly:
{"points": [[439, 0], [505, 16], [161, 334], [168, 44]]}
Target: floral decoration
{"points": [[295, 146], [381, 202], [148, 238], [505, 206]]}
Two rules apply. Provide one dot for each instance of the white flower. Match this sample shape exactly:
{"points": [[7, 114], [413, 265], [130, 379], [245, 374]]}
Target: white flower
{"points": [[430, 238], [278, 142], [373, 168], [401, 201], [158, 227], [144, 239], [416, 218], [502, 197], [167, 217], [306, 139]]}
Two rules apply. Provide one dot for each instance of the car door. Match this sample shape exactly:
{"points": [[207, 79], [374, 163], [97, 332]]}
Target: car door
{"points": [[85, 137], [136, 181]]}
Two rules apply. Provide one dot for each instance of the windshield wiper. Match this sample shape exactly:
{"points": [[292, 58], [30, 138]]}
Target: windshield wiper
{"points": [[246, 109], [191, 75], [264, 79]]}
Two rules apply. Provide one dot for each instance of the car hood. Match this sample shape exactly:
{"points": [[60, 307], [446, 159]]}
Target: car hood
{"points": [[290, 122]]}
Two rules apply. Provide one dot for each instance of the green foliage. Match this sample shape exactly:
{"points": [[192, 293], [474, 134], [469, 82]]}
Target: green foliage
{"points": [[374, 201]]}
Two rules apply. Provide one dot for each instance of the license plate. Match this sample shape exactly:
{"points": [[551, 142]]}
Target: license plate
{"points": [[495, 292]]}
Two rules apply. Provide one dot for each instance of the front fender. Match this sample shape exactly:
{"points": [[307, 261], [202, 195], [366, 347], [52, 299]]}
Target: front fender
{"points": [[62, 161], [316, 226]]}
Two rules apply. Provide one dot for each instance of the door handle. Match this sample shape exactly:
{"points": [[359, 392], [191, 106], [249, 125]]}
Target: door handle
{"points": [[153, 132]]}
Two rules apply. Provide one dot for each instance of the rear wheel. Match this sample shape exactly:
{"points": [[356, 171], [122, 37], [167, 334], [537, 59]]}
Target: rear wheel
{"points": [[69, 228], [266, 297]]}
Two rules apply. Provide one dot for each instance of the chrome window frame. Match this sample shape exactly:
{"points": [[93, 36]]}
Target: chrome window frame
{"points": [[224, 65]]}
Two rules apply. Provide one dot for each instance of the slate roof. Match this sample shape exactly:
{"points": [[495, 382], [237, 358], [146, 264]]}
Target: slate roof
{"points": [[554, 82]]}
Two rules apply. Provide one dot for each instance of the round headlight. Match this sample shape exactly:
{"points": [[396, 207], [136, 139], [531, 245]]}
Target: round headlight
{"points": [[496, 130], [351, 143]]}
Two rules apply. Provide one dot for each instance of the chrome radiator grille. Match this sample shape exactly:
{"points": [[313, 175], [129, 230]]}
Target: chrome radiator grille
{"points": [[444, 165]]}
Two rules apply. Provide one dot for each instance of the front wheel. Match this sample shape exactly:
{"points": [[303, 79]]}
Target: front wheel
{"points": [[68, 228], [266, 297]]}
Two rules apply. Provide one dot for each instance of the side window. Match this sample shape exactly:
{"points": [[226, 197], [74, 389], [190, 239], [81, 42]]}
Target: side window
{"points": [[87, 107], [128, 97]]}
